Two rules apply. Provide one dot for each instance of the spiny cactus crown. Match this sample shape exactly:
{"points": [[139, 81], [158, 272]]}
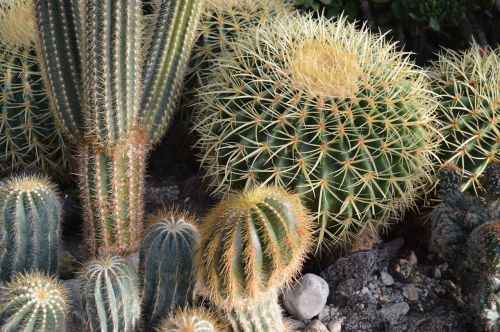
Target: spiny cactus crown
{"points": [[17, 27], [333, 112], [33, 302], [190, 320], [468, 83]]}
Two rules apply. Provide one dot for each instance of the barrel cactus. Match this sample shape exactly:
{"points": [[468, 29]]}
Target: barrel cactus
{"points": [[29, 135], [33, 302], [467, 83], [110, 295], [30, 224], [318, 106], [192, 320], [115, 74], [165, 262], [262, 315]]}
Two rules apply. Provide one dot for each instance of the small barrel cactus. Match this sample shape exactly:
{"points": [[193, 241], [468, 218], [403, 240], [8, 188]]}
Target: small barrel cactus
{"points": [[261, 315], [192, 320], [33, 302], [166, 263], [467, 84], [320, 107], [29, 136], [252, 243], [30, 223], [110, 295]]}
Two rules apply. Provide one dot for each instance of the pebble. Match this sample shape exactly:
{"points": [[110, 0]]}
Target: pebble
{"points": [[324, 314], [412, 258], [293, 324], [316, 326], [436, 273], [387, 279], [307, 297], [398, 309], [410, 292], [335, 325]]}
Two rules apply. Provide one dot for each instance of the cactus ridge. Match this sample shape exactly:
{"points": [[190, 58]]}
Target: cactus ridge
{"points": [[467, 83], [191, 319], [252, 243], [110, 295], [357, 140], [30, 217], [166, 263], [33, 302]]}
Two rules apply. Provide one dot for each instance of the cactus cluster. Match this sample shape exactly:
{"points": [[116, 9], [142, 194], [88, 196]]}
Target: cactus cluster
{"points": [[166, 265], [467, 83], [30, 218], [466, 232], [33, 303], [323, 108], [29, 135]]}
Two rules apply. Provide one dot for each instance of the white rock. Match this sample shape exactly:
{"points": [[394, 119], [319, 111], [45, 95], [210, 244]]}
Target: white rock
{"points": [[293, 324], [324, 314], [335, 325], [307, 297], [410, 292], [397, 309], [387, 279], [316, 326]]}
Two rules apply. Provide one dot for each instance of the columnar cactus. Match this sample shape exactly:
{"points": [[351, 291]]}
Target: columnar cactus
{"points": [[467, 83], [114, 100], [193, 320], [110, 295], [333, 112], [29, 136], [30, 224], [166, 264], [33, 302]]}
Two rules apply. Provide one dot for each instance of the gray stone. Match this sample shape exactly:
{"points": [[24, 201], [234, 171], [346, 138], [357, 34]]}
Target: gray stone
{"points": [[386, 278], [324, 314], [316, 326], [412, 258], [293, 324], [335, 325], [436, 273], [307, 297], [400, 309], [410, 292]]}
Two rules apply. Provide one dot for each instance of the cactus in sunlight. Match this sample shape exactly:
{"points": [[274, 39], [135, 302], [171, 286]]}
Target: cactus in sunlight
{"points": [[115, 100], [192, 320], [318, 106], [33, 302], [30, 225], [166, 266], [29, 136], [110, 295], [468, 85]]}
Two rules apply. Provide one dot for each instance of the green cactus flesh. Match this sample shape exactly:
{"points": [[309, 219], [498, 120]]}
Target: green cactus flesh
{"points": [[327, 110]]}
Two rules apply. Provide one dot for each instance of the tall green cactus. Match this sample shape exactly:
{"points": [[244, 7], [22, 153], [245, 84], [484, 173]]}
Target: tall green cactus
{"points": [[30, 222], [110, 295], [29, 136], [114, 100], [33, 302], [165, 262]]}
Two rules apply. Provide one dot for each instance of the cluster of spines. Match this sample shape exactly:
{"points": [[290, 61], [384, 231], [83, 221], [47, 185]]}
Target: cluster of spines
{"points": [[301, 103], [110, 295], [166, 265], [30, 218], [191, 319], [33, 302]]}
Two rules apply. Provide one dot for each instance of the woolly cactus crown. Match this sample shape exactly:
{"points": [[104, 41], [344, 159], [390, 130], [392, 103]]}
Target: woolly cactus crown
{"points": [[333, 112]]}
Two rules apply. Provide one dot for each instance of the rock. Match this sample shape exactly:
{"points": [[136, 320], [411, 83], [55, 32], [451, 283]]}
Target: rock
{"points": [[436, 273], [410, 292], [316, 326], [335, 325], [293, 324], [324, 314], [386, 278], [75, 320], [307, 297], [412, 258], [400, 309], [347, 274]]}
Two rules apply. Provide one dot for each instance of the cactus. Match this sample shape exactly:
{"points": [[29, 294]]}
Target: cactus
{"points": [[33, 302], [113, 100], [467, 83], [484, 255], [30, 223], [335, 113], [29, 136], [261, 315], [193, 320], [433, 13], [110, 295], [165, 261]]}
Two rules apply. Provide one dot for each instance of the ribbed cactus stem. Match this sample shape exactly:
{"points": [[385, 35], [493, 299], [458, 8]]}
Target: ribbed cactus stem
{"points": [[30, 217], [110, 295], [127, 99], [33, 302], [190, 319], [166, 264]]}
